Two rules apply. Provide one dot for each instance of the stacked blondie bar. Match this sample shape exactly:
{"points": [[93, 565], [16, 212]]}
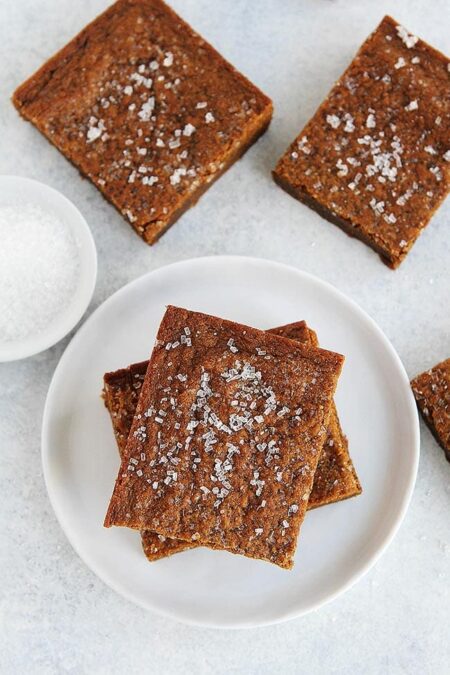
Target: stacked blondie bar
{"points": [[227, 435]]}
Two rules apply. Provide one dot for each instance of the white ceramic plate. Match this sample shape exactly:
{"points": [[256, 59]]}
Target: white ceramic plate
{"points": [[339, 542], [16, 189]]}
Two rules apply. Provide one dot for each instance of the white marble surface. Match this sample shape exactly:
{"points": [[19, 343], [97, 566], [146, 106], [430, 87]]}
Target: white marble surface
{"points": [[55, 615]]}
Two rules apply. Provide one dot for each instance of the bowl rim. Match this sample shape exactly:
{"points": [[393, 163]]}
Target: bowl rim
{"points": [[68, 319]]}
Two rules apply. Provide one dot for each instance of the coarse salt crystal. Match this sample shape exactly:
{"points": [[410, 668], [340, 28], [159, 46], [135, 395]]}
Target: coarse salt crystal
{"points": [[413, 105], [407, 39], [435, 170], [343, 168], [334, 121], [95, 129], [140, 79], [188, 130], [400, 63], [303, 145], [349, 126], [176, 176], [149, 180], [146, 110]]}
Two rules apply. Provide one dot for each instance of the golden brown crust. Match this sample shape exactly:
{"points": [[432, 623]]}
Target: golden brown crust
{"points": [[374, 159], [156, 546], [216, 384], [432, 393], [146, 109], [335, 478], [121, 390]]}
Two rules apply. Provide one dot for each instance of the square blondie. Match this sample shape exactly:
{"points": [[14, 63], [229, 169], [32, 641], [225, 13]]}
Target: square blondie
{"points": [[335, 478], [374, 158], [226, 438], [146, 109]]}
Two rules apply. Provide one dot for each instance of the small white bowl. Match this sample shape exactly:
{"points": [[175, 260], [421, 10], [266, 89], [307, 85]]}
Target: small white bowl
{"points": [[14, 189]]}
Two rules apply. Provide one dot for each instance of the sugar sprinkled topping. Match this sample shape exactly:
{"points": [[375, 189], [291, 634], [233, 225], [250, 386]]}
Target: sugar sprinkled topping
{"points": [[39, 272], [188, 130], [140, 80], [408, 40], [378, 207], [343, 168], [334, 121], [253, 408], [349, 126], [149, 180], [176, 176], [303, 145], [412, 105], [370, 121], [435, 170], [96, 129], [142, 95], [146, 110]]}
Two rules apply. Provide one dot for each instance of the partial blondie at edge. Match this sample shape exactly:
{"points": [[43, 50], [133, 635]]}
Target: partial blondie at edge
{"points": [[432, 393]]}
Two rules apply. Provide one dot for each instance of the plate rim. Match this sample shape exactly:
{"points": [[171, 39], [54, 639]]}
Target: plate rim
{"points": [[289, 614]]}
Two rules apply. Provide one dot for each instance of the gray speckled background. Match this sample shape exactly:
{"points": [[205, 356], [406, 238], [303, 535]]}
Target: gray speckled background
{"points": [[55, 615]]}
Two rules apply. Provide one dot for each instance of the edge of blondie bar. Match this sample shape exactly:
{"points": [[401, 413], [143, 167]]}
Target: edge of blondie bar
{"points": [[431, 390]]}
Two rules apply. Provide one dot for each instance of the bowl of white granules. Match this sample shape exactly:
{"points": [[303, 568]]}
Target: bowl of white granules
{"points": [[48, 267]]}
